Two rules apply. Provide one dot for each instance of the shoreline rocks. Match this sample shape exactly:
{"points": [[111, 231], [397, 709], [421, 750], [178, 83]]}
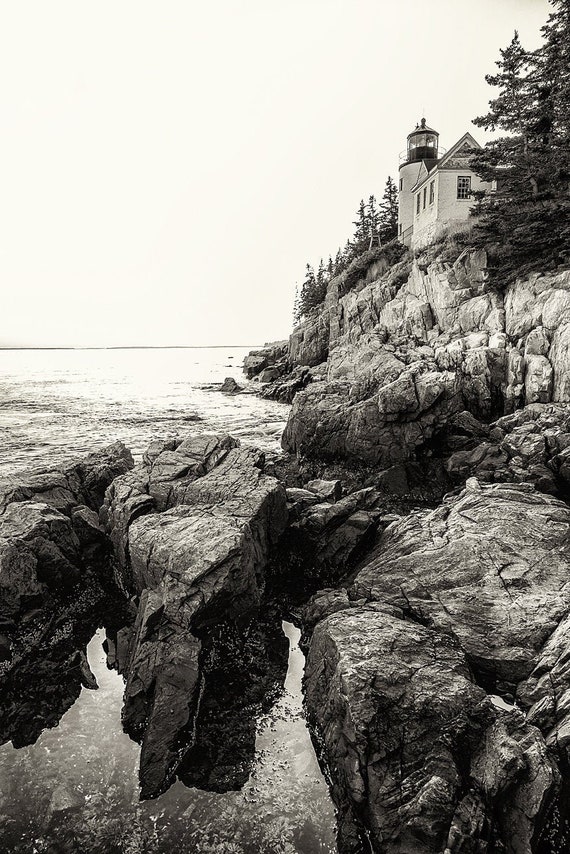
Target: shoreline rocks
{"points": [[192, 528], [419, 754]]}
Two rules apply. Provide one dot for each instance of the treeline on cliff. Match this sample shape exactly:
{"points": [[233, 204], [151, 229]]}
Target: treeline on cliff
{"points": [[525, 223], [375, 226]]}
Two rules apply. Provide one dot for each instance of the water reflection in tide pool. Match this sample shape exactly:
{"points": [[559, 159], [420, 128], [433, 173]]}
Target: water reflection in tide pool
{"points": [[76, 788]]}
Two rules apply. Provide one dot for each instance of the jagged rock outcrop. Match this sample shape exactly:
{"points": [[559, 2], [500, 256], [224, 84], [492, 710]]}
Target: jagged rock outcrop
{"points": [[285, 388], [49, 530], [452, 607], [83, 482], [532, 445], [39, 552], [192, 528], [404, 356], [420, 756], [309, 343], [324, 539], [274, 354]]}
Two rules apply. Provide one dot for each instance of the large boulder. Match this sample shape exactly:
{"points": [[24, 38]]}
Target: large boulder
{"points": [[192, 529], [421, 759], [490, 567]]}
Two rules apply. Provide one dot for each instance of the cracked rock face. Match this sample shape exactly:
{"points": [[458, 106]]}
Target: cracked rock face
{"points": [[403, 356], [192, 528], [532, 445], [83, 482], [453, 607], [338, 419], [490, 566], [419, 754]]}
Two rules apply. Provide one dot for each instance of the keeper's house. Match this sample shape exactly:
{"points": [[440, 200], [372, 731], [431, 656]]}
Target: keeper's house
{"points": [[435, 188]]}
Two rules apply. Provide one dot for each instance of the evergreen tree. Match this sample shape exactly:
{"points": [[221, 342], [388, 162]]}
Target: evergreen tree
{"points": [[338, 262], [307, 294], [552, 74], [388, 213], [297, 305], [348, 253], [373, 216], [527, 216], [320, 284], [361, 233]]}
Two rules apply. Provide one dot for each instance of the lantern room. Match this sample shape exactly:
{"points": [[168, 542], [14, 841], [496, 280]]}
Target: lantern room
{"points": [[422, 143]]}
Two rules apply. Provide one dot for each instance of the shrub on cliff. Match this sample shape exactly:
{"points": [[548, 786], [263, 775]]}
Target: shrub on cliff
{"points": [[382, 256], [525, 223]]}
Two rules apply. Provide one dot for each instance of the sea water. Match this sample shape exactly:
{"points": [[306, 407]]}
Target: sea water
{"points": [[75, 789], [61, 404]]}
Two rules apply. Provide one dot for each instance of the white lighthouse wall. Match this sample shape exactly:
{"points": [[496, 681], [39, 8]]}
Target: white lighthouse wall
{"points": [[447, 212], [409, 174]]}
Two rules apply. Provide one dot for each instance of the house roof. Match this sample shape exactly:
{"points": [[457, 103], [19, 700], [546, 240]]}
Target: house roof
{"points": [[466, 140], [446, 162]]}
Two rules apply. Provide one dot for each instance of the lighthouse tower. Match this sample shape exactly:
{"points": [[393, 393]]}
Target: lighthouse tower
{"points": [[422, 148]]}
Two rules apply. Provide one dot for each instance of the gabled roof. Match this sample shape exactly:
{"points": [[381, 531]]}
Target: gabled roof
{"points": [[446, 162], [467, 141]]}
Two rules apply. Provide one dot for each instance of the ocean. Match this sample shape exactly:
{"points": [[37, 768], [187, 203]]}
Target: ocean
{"points": [[56, 405], [73, 789]]}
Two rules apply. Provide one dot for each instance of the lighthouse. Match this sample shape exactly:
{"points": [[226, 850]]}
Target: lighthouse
{"points": [[422, 147]]}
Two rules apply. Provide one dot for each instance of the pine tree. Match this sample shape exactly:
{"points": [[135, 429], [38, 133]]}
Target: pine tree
{"points": [[373, 215], [552, 76], [307, 294], [297, 305], [338, 262], [527, 216], [361, 233], [320, 284], [388, 213]]}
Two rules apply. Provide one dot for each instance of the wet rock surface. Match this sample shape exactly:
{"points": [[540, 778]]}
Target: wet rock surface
{"points": [[192, 528]]}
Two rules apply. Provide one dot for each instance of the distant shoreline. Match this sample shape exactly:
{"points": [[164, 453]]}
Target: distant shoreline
{"points": [[146, 347]]}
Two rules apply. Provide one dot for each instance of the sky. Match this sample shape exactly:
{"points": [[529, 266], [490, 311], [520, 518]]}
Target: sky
{"points": [[169, 167]]}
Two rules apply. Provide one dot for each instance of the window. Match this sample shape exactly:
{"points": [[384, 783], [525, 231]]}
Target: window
{"points": [[418, 204], [463, 187], [400, 228], [432, 192], [425, 197], [401, 183]]}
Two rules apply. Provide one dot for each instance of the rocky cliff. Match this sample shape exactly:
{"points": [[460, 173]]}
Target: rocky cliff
{"points": [[437, 669], [403, 357]]}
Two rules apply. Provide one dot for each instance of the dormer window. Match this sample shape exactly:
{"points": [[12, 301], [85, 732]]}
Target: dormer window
{"points": [[463, 186], [418, 203]]}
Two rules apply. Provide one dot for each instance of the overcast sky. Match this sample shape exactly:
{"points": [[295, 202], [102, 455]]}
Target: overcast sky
{"points": [[169, 167]]}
